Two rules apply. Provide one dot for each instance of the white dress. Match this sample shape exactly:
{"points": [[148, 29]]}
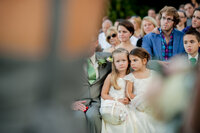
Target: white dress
{"points": [[137, 105], [128, 125]]}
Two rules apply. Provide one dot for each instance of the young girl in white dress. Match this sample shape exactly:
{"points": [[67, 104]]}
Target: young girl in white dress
{"points": [[114, 91], [137, 85]]}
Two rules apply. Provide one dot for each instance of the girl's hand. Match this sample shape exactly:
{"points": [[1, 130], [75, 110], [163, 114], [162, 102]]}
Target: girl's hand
{"points": [[78, 105], [124, 100]]}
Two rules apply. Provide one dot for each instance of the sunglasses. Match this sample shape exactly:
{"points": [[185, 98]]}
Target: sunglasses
{"points": [[113, 35]]}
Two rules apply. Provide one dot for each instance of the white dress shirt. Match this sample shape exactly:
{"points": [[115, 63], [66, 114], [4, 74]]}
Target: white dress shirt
{"points": [[95, 65], [196, 57]]}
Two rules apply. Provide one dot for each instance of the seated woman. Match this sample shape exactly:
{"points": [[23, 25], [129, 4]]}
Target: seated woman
{"points": [[148, 24], [136, 21], [112, 39], [125, 31], [183, 18]]}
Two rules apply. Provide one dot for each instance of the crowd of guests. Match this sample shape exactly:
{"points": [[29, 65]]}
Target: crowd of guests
{"points": [[122, 94]]}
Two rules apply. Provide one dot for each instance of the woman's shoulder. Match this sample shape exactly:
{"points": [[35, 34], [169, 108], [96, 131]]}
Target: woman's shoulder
{"points": [[129, 77]]}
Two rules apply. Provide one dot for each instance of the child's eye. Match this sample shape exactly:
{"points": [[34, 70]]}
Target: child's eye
{"points": [[185, 42], [192, 41]]}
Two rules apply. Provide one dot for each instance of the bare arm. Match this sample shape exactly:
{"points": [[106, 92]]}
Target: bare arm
{"points": [[129, 90], [105, 91], [106, 88]]}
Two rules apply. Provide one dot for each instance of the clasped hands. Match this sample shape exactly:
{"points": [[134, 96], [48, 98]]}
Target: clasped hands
{"points": [[124, 100]]}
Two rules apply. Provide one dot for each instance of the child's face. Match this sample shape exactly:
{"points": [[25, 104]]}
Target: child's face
{"points": [[136, 62], [121, 61], [191, 44]]}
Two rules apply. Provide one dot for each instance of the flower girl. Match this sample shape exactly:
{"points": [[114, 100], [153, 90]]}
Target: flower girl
{"points": [[114, 111], [137, 85]]}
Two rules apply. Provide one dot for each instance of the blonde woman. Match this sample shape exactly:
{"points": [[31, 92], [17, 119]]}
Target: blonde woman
{"points": [[112, 39], [147, 26], [136, 21]]}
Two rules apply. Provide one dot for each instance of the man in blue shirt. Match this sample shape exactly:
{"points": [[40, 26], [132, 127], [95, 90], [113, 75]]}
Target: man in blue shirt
{"points": [[170, 41]]}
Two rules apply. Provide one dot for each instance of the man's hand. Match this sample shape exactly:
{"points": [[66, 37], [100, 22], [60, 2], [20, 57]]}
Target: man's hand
{"points": [[156, 31], [164, 64], [78, 105]]}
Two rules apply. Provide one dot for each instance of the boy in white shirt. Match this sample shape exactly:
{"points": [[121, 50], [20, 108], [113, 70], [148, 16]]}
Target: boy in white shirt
{"points": [[191, 42]]}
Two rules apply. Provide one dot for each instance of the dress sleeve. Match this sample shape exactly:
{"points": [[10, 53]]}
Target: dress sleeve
{"points": [[129, 77]]}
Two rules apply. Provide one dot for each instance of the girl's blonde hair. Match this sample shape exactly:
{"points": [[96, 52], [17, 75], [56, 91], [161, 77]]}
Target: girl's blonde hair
{"points": [[114, 74], [149, 19]]}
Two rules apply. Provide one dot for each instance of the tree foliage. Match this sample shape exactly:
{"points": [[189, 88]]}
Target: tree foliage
{"points": [[122, 9]]}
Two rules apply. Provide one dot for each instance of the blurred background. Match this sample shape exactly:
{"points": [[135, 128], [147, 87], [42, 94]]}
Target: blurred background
{"points": [[127, 8]]}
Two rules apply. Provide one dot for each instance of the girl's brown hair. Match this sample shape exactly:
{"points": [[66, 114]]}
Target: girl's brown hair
{"points": [[141, 53], [114, 74]]}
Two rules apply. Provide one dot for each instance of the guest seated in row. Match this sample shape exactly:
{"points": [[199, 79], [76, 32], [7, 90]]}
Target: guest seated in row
{"points": [[169, 41], [125, 31], [148, 25], [87, 102], [191, 42], [112, 39]]}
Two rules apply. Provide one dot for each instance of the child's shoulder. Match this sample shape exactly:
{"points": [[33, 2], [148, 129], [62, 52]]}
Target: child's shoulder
{"points": [[129, 77], [109, 75]]}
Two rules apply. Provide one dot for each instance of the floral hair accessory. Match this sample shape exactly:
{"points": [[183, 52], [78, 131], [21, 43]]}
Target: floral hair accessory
{"points": [[109, 59]]}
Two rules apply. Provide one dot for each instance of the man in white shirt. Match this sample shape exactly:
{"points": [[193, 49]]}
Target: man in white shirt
{"points": [[102, 36], [87, 102], [191, 42]]}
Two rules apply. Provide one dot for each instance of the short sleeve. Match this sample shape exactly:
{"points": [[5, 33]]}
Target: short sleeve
{"points": [[129, 77]]}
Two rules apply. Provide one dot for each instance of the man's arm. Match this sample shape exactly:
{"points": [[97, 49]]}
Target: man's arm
{"points": [[147, 44]]}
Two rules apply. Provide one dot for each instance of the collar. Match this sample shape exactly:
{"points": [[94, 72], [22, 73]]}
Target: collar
{"points": [[161, 32], [93, 59], [196, 57]]}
